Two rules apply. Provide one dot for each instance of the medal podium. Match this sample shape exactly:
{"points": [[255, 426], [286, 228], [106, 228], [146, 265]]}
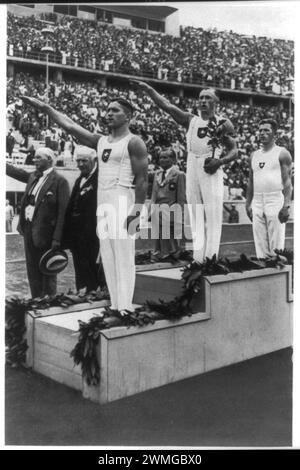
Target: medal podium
{"points": [[236, 317]]}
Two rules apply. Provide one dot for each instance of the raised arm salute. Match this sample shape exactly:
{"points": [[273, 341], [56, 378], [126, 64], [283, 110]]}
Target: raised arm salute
{"points": [[122, 188], [83, 136], [208, 136], [181, 117]]}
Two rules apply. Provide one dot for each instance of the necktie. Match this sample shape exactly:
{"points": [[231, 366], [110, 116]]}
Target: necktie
{"points": [[163, 175], [31, 197]]}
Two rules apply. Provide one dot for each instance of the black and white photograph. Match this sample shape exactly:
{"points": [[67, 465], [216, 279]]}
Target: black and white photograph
{"points": [[149, 235]]}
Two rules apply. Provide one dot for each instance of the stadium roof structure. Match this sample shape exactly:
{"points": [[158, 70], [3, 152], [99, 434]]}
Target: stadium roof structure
{"points": [[146, 11]]}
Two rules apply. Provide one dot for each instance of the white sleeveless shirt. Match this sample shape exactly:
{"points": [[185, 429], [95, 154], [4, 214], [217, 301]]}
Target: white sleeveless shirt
{"points": [[267, 170], [197, 138], [114, 163]]}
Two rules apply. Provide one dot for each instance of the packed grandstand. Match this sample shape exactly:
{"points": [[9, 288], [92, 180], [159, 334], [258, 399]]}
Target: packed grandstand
{"points": [[223, 59]]}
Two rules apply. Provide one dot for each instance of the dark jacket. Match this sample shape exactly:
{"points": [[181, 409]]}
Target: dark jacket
{"points": [[50, 206], [10, 143], [81, 219]]}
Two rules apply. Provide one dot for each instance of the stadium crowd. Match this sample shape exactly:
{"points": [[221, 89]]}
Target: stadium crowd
{"points": [[86, 101], [208, 57]]}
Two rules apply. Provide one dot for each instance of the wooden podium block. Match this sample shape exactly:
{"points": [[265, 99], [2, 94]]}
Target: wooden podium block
{"points": [[165, 284], [140, 358], [51, 335], [246, 315]]}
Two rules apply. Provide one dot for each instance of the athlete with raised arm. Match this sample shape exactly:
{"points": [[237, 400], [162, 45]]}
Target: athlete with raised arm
{"points": [[204, 179], [122, 183]]}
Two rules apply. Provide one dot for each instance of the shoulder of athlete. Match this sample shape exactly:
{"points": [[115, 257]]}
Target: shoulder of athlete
{"points": [[190, 116], [137, 147], [285, 156], [227, 127], [188, 119], [96, 138]]}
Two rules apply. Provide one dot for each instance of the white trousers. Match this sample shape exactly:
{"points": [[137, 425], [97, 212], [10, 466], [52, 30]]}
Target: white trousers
{"points": [[268, 232], [205, 203], [117, 248]]}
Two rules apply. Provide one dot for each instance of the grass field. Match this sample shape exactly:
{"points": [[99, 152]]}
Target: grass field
{"points": [[247, 404]]}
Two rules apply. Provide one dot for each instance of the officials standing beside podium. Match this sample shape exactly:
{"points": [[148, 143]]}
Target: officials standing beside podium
{"points": [[80, 234], [42, 214]]}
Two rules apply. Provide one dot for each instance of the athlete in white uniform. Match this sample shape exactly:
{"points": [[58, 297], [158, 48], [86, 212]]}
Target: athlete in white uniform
{"points": [[122, 188], [204, 179], [269, 191], [115, 198]]}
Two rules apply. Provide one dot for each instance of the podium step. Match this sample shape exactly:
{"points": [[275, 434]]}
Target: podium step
{"points": [[51, 338], [165, 284]]}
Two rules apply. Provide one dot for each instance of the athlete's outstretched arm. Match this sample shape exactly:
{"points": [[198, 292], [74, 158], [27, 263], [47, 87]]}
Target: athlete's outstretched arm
{"points": [[17, 173], [181, 117], [84, 137]]}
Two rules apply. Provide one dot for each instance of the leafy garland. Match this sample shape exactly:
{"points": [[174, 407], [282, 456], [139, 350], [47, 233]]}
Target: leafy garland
{"points": [[214, 132], [85, 351], [147, 257], [16, 345]]}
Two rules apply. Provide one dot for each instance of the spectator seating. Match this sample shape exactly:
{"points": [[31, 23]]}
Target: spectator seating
{"points": [[207, 57]]}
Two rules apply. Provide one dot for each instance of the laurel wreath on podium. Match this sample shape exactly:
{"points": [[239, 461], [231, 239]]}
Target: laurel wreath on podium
{"points": [[85, 351]]}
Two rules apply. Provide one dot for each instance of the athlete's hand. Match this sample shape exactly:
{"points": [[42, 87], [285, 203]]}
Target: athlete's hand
{"points": [[34, 102], [211, 165], [132, 223], [284, 214], [249, 212]]}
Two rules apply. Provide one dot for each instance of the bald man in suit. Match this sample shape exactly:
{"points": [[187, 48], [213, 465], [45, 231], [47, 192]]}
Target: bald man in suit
{"points": [[42, 213]]}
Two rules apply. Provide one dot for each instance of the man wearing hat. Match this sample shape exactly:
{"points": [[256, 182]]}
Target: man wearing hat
{"points": [[204, 177], [80, 234], [42, 213], [168, 195]]}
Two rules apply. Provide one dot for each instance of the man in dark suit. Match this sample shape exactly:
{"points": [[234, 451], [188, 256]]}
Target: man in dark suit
{"points": [[42, 214], [168, 192], [80, 234], [10, 142]]}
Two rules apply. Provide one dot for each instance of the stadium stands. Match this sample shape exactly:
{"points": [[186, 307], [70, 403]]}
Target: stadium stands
{"points": [[206, 57], [220, 58], [85, 101]]}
